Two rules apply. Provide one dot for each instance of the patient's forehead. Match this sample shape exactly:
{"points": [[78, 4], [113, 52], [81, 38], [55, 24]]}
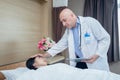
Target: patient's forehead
{"points": [[39, 61]]}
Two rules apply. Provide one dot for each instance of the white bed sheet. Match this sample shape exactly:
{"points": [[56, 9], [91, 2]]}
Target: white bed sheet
{"points": [[62, 71]]}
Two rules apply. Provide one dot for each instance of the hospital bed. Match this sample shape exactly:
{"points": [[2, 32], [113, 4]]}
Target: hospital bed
{"points": [[61, 71], [20, 67]]}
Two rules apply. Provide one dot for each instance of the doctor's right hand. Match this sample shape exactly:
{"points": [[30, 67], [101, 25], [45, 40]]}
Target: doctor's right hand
{"points": [[45, 55], [39, 54]]}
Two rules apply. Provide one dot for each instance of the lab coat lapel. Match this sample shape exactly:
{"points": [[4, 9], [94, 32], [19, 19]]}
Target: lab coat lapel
{"points": [[84, 28], [71, 47]]}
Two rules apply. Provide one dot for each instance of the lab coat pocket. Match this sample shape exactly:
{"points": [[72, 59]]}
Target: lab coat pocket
{"points": [[87, 38], [85, 51]]}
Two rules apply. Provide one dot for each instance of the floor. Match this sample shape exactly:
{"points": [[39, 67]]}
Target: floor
{"points": [[115, 67]]}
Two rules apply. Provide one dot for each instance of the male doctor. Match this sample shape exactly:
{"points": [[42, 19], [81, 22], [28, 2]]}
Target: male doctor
{"points": [[85, 38]]}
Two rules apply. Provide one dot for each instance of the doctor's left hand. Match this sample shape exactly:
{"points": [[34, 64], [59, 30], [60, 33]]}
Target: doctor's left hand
{"points": [[92, 59]]}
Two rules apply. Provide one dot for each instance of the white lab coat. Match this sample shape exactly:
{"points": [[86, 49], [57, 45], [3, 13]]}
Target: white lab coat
{"points": [[98, 44]]}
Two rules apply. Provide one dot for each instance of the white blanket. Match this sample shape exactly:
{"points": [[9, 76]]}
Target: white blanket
{"points": [[62, 71]]}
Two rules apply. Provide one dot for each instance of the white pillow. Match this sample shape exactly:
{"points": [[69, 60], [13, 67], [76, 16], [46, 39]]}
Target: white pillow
{"points": [[14, 73]]}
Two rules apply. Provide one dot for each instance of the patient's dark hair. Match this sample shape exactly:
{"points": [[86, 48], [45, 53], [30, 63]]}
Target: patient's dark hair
{"points": [[30, 62]]}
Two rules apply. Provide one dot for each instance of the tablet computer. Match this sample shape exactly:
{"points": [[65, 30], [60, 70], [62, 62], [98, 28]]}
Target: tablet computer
{"points": [[77, 59]]}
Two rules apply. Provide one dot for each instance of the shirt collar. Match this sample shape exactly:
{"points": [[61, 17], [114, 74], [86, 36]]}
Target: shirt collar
{"points": [[78, 21]]}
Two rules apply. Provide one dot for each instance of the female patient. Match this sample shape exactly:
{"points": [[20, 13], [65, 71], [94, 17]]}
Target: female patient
{"points": [[62, 71], [36, 62]]}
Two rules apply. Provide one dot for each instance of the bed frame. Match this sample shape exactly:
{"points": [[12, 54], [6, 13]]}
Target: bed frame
{"points": [[22, 64]]}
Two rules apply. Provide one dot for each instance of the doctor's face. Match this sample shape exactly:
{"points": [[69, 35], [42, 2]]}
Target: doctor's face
{"points": [[68, 20], [39, 61]]}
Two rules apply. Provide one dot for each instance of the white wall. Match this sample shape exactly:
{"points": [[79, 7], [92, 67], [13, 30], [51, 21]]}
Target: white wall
{"points": [[77, 6], [59, 3]]}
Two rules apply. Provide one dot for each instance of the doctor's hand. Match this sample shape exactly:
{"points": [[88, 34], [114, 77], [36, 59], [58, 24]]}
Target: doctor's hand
{"points": [[39, 54], [91, 59], [46, 55]]}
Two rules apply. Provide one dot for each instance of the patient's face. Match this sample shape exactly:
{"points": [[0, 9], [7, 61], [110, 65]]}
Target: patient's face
{"points": [[39, 61]]}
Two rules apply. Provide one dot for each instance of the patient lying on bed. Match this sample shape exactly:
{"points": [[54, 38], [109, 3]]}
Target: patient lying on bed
{"points": [[39, 70], [61, 71]]}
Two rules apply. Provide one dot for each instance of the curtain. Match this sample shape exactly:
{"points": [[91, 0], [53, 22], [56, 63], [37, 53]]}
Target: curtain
{"points": [[105, 11], [58, 28]]}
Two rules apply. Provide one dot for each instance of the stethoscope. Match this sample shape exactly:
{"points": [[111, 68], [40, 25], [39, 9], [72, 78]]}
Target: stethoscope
{"points": [[80, 31], [86, 35]]}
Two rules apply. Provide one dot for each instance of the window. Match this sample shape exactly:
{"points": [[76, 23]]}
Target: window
{"points": [[119, 22]]}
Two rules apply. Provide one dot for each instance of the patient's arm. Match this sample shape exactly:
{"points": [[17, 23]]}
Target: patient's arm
{"points": [[2, 77]]}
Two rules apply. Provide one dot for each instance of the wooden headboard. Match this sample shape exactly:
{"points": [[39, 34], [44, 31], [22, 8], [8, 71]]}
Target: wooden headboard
{"points": [[22, 24], [13, 66]]}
